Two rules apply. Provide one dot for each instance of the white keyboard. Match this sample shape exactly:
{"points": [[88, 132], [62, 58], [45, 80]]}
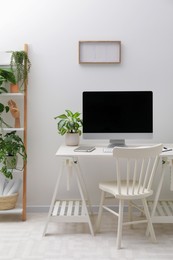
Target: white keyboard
{"points": [[110, 149]]}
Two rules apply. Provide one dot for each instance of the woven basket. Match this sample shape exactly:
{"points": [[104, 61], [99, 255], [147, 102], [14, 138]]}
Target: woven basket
{"points": [[8, 202]]}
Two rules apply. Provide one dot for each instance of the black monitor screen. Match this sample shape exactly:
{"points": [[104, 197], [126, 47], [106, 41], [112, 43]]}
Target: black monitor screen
{"points": [[117, 112]]}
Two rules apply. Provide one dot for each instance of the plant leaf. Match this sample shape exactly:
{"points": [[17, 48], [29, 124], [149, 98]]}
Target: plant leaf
{"points": [[69, 113], [2, 89], [61, 116]]}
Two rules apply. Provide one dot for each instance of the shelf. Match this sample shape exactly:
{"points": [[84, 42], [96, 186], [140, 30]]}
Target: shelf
{"points": [[5, 65], [69, 211], [13, 129], [12, 94], [11, 211], [164, 211]]}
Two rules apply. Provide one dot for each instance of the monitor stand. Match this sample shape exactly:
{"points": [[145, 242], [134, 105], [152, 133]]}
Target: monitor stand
{"points": [[119, 142]]}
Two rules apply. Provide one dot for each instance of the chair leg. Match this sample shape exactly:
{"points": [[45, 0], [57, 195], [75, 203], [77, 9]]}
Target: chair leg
{"points": [[150, 225], [120, 223], [100, 211], [130, 213]]}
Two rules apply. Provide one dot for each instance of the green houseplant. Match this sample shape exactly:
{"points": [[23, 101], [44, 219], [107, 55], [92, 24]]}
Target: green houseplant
{"points": [[11, 145], [6, 75], [20, 65], [70, 124]]}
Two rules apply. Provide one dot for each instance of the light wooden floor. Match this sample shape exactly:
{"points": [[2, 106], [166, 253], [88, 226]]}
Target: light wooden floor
{"points": [[23, 240]]}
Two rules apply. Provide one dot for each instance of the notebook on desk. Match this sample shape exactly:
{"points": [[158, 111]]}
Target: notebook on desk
{"points": [[85, 148]]}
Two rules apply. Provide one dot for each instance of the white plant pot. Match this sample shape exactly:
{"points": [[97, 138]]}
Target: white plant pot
{"points": [[72, 139]]}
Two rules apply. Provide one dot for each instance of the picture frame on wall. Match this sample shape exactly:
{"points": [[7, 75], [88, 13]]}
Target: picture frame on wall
{"points": [[99, 52]]}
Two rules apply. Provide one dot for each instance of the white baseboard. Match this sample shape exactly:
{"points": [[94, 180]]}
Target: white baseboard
{"points": [[37, 209]]}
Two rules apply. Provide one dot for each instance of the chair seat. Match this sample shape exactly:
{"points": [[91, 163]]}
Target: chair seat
{"points": [[112, 188]]}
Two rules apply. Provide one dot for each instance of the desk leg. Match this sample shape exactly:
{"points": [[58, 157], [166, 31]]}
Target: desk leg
{"points": [[83, 193], [53, 198], [80, 183], [171, 172], [157, 194]]}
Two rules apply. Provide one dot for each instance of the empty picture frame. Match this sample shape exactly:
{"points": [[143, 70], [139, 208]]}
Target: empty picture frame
{"points": [[99, 52]]}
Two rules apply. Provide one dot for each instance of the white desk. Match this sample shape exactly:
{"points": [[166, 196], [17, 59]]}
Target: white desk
{"points": [[79, 210]]}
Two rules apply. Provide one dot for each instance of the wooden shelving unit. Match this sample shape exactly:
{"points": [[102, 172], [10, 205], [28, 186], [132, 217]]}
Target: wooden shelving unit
{"points": [[23, 131]]}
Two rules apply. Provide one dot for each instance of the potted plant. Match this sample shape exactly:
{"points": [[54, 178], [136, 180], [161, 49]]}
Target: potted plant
{"points": [[70, 125], [6, 75], [20, 65], [11, 146]]}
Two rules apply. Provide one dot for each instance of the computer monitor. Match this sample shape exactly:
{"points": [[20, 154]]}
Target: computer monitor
{"points": [[117, 115]]}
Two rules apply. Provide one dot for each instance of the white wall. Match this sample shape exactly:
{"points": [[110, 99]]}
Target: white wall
{"points": [[52, 29]]}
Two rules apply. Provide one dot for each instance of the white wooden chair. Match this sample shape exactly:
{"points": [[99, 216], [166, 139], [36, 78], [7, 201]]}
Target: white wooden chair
{"points": [[135, 170]]}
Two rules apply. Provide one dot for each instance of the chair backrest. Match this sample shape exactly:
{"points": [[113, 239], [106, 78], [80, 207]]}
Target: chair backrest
{"points": [[136, 167]]}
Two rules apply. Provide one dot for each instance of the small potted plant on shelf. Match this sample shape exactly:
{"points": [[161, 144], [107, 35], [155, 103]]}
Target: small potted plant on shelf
{"points": [[20, 65], [11, 146], [6, 75], [70, 125]]}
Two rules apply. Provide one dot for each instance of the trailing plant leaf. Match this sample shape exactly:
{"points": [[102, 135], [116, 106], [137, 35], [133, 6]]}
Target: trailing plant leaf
{"points": [[3, 90], [7, 172], [20, 65]]}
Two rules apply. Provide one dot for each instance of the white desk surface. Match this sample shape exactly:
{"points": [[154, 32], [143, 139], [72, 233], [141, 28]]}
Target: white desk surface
{"points": [[65, 151]]}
